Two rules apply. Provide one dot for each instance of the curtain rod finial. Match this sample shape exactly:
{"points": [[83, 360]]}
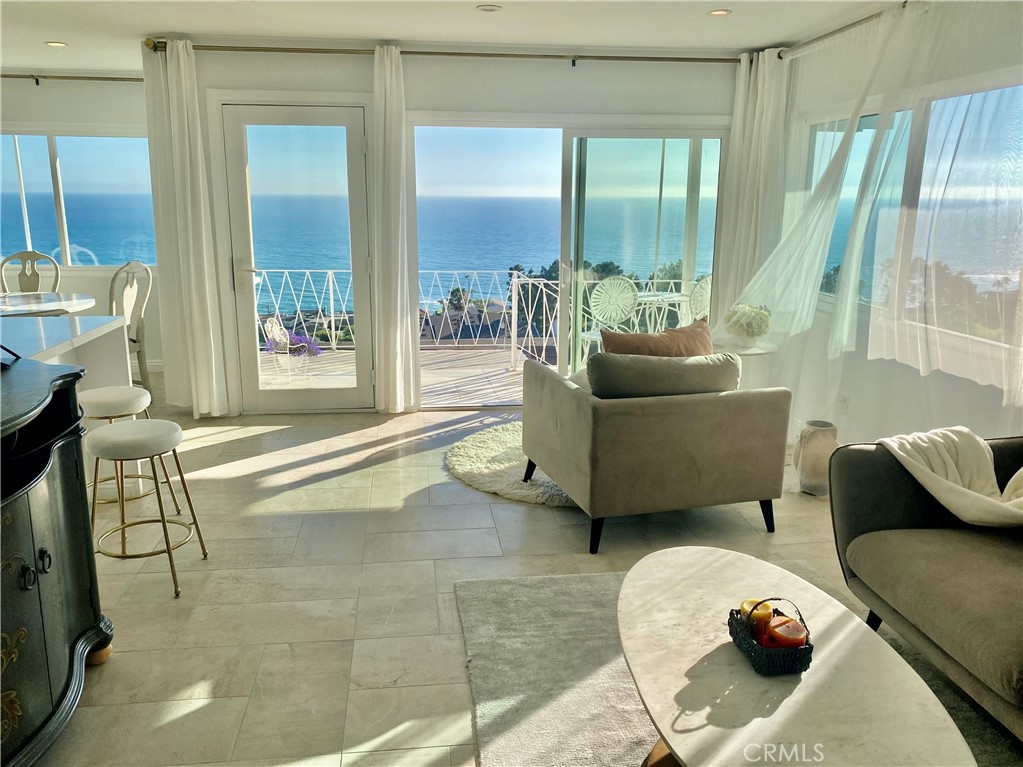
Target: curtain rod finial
{"points": [[151, 44]]}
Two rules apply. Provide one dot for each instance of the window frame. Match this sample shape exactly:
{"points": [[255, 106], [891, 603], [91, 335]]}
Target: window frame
{"points": [[51, 132]]}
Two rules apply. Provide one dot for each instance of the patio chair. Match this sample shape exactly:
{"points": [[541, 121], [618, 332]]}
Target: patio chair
{"points": [[699, 299], [29, 277], [612, 301], [287, 355]]}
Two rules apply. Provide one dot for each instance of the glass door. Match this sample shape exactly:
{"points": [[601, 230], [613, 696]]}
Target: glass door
{"points": [[299, 230], [643, 226]]}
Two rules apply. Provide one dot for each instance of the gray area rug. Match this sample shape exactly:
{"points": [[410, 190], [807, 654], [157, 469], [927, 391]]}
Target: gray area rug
{"points": [[548, 679], [550, 686]]}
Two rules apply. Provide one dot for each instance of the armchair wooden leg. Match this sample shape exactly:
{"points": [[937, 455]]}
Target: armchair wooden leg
{"points": [[873, 621], [530, 468], [596, 528], [767, 509]]}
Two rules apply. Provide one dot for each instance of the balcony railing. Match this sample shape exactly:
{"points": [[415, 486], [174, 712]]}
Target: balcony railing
{"points": [[458, 309]]}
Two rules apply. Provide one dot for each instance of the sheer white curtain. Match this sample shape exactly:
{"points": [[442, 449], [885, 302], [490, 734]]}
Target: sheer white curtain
{"points": [[395, 288], [192, 330], [789, 278], [912, 129], [753, 192]]}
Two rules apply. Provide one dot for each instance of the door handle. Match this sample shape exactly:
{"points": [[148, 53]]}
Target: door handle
{"points": [[45, 561], [29, 577]]}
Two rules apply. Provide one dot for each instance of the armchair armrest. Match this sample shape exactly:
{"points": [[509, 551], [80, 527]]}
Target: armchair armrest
{"points": [[870, 491], [557, 429]]}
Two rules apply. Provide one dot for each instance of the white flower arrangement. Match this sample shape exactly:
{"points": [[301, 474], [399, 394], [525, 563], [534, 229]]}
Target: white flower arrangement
{"points": [[748, 321]]}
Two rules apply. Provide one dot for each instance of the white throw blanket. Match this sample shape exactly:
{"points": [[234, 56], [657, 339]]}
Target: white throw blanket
{"points": [[958, 469]]}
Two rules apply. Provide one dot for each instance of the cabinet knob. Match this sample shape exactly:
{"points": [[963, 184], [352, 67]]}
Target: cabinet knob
{"points": [[45, 561], [29, 577]]}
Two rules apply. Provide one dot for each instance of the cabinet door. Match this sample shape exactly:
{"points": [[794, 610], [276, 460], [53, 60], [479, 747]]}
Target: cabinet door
{"points": [[24, 680], [63, 556]]}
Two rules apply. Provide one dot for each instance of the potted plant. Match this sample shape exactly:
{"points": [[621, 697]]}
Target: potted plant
{"points": [[748, 323]]}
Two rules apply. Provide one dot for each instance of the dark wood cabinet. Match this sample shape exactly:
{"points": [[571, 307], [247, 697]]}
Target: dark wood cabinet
{"points": [[50, 615]]}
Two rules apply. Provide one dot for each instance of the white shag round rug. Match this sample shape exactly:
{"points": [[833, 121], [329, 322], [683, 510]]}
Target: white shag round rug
{"points": [[492, 460]]}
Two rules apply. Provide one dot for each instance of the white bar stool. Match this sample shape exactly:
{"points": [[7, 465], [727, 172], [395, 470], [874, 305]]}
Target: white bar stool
{"points": [[110, 403], [136, 441]]}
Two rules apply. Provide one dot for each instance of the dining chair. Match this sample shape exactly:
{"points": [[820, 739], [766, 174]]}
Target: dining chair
{"points": [[612, 301], [29, 277], [129, 293]]}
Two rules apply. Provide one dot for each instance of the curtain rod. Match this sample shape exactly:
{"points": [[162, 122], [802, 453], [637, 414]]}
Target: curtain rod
{"points": [[796, 50], [161, 45], [92, 78]]}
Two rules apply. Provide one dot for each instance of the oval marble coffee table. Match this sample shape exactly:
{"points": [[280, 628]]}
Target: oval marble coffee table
{"points": [[859, 703]]}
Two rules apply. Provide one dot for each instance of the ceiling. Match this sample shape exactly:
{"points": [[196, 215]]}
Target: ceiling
{"points": [[104, 36]]}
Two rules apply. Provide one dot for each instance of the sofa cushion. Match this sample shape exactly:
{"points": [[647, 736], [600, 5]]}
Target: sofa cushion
{"points": [[962, 588], [690, 341], [617, 376], [581, 379]]}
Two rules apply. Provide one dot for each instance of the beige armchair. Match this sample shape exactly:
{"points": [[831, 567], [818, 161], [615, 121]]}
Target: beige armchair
{"points": [[616, 457]]}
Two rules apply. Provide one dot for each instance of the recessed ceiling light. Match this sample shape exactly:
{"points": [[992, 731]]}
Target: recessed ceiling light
{"points": [[56, 44], [720, 12], [488, 8]]}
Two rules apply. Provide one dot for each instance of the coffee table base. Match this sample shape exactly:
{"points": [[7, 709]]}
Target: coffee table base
{"points": [[660, 756]]}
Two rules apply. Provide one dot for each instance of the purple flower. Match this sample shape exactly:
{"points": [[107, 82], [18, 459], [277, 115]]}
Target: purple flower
{"points": [[297, 346]]}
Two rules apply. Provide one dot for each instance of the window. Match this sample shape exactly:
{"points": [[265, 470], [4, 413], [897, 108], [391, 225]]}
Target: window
{"points": [[961, 227], [84, 200], [883, 225]]}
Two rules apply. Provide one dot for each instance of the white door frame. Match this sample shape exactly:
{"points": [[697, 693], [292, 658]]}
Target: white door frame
{"points": [[233, 115]]}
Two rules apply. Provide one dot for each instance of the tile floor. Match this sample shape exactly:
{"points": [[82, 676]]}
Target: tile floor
{"points": [[322, 629]]}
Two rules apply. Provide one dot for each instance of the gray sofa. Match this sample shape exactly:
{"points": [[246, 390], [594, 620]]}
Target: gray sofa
{"points": [[954, 591], [637, 455]]}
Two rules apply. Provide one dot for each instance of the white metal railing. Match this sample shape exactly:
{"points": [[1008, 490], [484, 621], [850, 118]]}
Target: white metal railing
{"points": [[458, 308]]}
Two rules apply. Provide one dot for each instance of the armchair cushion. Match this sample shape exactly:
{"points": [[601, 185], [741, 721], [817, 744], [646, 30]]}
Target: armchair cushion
{"points": [[690, 341], [617, 376]]}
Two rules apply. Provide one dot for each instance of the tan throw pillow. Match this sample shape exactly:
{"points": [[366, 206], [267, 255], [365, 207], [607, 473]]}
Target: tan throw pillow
{"points": [[690, 341], [618, 376]]}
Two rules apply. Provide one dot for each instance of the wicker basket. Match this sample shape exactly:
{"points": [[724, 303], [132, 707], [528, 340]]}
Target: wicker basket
{"points": [[774, 660]]}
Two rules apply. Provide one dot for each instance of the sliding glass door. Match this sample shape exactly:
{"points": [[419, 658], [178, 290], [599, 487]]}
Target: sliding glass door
{"points": [[643, 215], [299, 230]]}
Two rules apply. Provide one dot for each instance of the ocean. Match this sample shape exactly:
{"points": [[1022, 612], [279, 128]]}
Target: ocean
{"points": [[455, 233]]}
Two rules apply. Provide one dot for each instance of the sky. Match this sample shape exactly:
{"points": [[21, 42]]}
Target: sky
{"points": [[87, 164], [509, 162]]}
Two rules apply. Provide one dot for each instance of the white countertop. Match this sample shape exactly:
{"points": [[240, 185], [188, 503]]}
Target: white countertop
{"points": [[46, 338]]}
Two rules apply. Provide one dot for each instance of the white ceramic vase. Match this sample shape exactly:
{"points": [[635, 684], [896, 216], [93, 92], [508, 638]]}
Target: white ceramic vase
{"points": [[812, 456]]}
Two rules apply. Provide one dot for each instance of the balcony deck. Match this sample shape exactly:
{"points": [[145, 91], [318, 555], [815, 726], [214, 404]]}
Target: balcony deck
{"points": [[464, 376]]}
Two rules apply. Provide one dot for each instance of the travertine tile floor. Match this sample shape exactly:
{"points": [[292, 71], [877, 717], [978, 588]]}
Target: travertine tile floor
{"points": [[322, 629]]}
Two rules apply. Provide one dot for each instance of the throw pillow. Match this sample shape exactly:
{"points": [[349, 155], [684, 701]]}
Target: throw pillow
{"points": [[690, 341], [618, 376]]}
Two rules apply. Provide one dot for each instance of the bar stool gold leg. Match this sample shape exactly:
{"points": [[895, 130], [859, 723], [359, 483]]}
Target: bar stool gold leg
{"points": [[173, 495], [119, 474], [188, 499], [166, 532], [95, 488]]}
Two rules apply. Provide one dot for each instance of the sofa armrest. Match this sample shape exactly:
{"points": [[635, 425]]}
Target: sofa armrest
{"points": [[870, 491], [557, 429]]}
